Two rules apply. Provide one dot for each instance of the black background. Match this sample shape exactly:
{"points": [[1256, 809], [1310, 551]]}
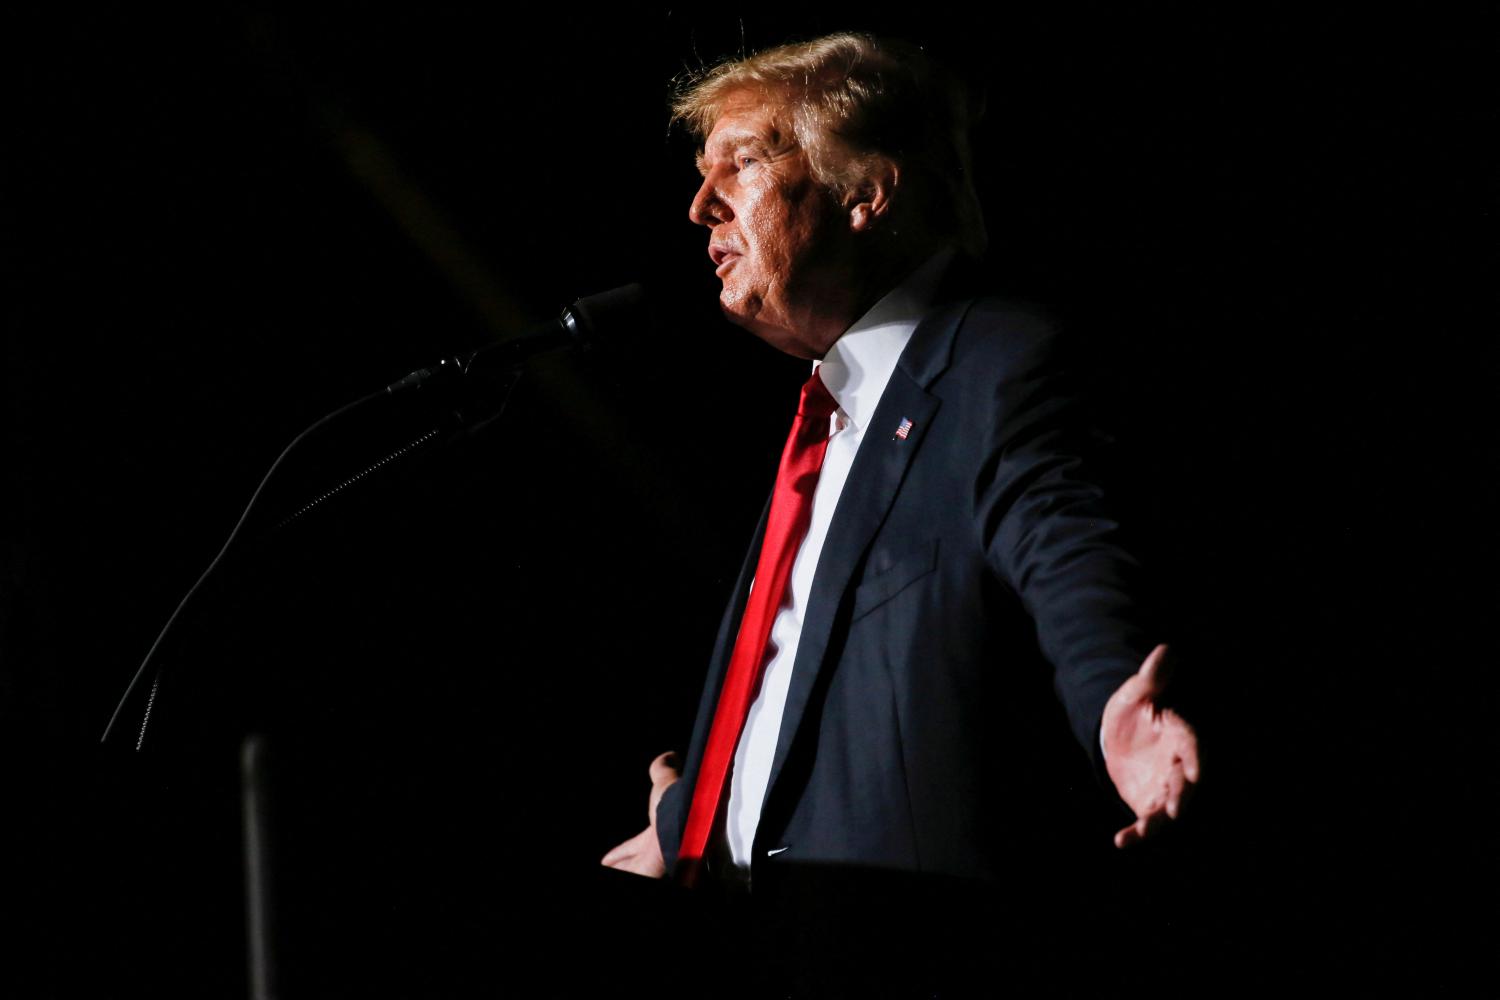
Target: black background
{"points": [[1274, 226]]}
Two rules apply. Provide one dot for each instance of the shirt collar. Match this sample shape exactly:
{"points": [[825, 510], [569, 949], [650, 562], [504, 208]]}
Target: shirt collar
{"points": [[860, 363]]}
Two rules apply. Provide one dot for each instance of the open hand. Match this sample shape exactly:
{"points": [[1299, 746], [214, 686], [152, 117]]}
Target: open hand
{"points": [[1150, 752]]}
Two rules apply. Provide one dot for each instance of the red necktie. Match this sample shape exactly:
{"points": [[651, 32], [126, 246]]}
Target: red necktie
{"points": [[791, 511]]}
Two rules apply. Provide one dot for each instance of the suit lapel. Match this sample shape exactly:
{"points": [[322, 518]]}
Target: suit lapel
{"points": [[874, 480]]}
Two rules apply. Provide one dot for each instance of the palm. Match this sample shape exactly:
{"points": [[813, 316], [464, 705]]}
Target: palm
{"points": [[1151, 752]]}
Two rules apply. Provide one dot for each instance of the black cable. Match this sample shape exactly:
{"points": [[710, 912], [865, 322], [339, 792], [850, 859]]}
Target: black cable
{"points": [[228, 543]]}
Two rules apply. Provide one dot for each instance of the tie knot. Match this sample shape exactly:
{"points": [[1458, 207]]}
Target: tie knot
{"points": [[816, 401]]}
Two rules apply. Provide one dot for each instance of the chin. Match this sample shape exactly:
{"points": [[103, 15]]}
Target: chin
{"points": [[739, 307]]}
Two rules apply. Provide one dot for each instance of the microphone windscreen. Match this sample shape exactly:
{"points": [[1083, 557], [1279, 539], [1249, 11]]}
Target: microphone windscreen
{"points": [[619, 310]]}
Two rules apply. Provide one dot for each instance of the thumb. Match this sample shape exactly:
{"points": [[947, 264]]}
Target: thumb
{"points": [[665, 769], [1156, 672]]}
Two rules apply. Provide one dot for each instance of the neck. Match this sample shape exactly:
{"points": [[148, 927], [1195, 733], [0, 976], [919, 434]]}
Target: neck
{"points": [[871, 283]]}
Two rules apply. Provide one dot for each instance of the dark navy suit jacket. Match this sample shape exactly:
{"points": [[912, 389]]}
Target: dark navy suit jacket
{"points": [[954, 554]]}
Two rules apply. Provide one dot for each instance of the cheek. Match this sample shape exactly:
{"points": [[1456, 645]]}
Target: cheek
{"points": [[774, 231], [796, 245], [767, 235], [781, 260]]}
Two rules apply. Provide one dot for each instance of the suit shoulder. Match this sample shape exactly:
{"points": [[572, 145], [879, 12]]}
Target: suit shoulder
{"points": [[1010, 332]]}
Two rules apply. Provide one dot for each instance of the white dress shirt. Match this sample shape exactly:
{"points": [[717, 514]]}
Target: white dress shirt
{"points": [[855, 370]]}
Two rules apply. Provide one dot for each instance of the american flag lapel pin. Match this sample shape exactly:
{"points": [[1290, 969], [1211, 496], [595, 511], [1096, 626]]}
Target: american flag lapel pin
{"points": [[903, 430]]}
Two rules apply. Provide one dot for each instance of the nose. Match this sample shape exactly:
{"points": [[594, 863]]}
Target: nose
{"points": [[708, 208]]}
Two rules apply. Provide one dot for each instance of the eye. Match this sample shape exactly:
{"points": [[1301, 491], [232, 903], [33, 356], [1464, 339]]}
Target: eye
{"points": [[745, 161]]}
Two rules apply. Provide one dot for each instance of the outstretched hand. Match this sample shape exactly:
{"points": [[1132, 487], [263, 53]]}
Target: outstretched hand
{"points": [[1150, 752], [641, 854]]}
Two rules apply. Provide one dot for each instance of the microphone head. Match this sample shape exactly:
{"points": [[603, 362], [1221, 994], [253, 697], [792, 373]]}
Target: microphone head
{"points": [[609, 314]]}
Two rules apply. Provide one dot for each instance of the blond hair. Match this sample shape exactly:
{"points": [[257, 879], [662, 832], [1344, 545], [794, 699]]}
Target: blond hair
{"points": [[851, 100]]}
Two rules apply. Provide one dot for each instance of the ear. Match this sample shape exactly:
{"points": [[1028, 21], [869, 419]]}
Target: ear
{"points": [[869, 205]]}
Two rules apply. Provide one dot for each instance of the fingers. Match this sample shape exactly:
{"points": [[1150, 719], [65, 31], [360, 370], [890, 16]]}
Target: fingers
{"points": [[1176, 782], [1187, 752], [635, 866], [1184, 745], [1134, 833], [640, 855], [622, 855], [619, 855], [616, 854], [1161, 810]]}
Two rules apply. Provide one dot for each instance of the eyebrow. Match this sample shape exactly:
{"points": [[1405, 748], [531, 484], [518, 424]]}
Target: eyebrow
{"points": [[735, 140]]}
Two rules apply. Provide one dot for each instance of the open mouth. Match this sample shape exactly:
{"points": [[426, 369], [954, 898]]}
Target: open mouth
{"points": [[722, 257]]}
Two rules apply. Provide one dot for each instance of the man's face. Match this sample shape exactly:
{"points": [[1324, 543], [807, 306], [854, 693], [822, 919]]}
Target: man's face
{"points": [[778, 239]]}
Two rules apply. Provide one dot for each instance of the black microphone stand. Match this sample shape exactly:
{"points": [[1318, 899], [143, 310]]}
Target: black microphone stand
{"points": [[480, 382]]}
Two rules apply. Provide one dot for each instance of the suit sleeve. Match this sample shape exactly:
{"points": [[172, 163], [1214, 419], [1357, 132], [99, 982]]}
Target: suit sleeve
{"points": [[1049, 533], [671, 816]]}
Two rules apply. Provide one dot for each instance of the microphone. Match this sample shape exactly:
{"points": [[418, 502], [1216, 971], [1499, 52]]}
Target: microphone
{"points": [[591, 318]]}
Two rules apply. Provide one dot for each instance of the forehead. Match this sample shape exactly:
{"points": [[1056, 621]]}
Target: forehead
{"points": [[747, 117]]}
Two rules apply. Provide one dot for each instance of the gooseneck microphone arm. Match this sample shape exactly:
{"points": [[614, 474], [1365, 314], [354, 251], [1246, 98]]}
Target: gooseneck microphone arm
{"points": [[576, 326], [234, 535]]}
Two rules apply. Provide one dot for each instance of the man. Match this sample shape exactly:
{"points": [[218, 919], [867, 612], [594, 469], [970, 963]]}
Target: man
{"points": [[932, 523]]}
